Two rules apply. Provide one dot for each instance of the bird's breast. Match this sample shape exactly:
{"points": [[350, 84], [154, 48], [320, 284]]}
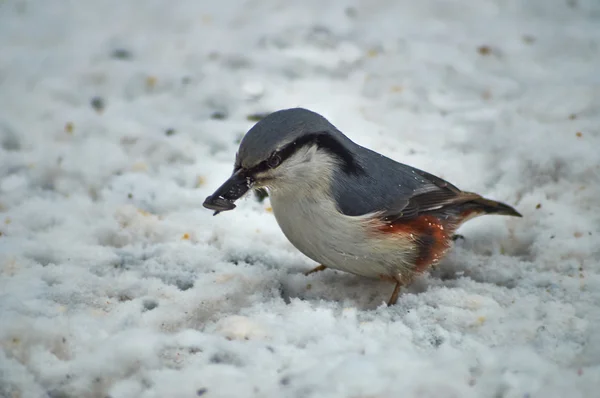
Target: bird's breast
{"points": [[316, 228]]}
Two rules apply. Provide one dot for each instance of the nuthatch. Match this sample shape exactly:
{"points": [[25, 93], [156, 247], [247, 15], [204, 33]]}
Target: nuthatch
{"points": [[345, 206]]}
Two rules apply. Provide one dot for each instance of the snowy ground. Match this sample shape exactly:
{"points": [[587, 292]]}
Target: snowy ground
{"points": [[117, 119]]}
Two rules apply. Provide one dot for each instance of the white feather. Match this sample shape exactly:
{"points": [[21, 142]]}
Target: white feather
{"points": [[306, 212]]}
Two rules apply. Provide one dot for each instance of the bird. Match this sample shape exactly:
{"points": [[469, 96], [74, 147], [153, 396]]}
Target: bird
{"points": [[345, 206]]}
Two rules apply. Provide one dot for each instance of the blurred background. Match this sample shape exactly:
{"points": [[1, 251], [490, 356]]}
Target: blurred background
{"points": [[118, 117]]}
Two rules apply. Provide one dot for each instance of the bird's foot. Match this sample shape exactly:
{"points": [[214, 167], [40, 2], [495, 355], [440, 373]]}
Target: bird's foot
{"points": [[316, 269], [400, 281]]}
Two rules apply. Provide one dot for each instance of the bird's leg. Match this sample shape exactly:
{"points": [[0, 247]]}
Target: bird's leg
{"points": [[316, 269], [399, 282]]}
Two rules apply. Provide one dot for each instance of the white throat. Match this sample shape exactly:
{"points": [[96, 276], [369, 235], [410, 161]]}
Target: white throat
{"points": [[308, 171]]}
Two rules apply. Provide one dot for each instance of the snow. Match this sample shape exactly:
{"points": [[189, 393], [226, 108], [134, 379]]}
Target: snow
{"points": [[115, 282]]}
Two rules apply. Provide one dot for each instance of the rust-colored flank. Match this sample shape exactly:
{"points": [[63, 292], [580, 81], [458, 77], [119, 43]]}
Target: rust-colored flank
{"points": [[430, 234]]}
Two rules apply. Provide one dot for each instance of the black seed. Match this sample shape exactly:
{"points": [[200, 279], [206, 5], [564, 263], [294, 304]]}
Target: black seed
{"points": [[261, 194], [98, 104], [255, 117], [216, 359], [225, 358], [170, 132], [184, 285], [9, 139], [57, 394], [351, 12], [121, 53], [219, 115], [149, 305], [284, 381], [201, 392], [124, 297]]}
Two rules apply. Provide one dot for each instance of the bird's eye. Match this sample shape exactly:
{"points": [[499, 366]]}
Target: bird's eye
{"points": [[274, 161]]}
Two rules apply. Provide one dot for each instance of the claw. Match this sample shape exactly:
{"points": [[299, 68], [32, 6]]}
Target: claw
{"points": [[316, 269], [399, 283]]}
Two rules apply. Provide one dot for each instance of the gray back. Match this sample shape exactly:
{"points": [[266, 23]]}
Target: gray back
{"points": [[384, 185]]}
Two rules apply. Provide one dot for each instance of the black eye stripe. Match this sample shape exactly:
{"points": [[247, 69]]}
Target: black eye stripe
{"points": [[259, 168], [323, 141], [330, 144]]}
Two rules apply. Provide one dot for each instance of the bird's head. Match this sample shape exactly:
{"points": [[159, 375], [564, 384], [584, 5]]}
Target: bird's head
{"points": [[289, 150]]}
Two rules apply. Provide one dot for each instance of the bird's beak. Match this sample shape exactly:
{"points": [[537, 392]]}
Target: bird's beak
{"points": [[224, 197]]}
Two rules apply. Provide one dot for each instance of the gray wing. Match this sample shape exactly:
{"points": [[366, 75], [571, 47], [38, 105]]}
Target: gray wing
{"points": [[393, 189]]}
